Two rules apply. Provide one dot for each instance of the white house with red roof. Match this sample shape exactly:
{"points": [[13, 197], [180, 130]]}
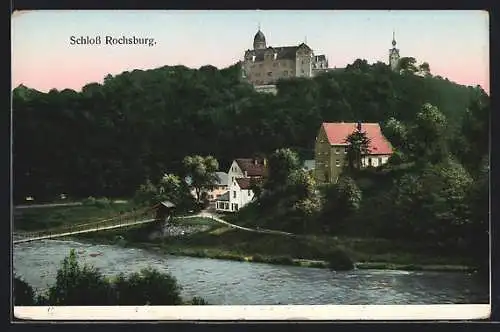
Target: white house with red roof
{"points": [[240, 176], [331, 148]]}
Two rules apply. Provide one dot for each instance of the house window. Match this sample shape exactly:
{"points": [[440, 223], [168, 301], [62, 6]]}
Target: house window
{"points": [[234, 194], [269, 73], [337, 150], [345, 151], [275, 64], [370, 161], [380, 161], [337, 163], [249, 193], [236, 207]]}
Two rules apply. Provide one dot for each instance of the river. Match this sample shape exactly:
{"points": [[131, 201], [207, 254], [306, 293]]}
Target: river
{"points": [[243, 283]]}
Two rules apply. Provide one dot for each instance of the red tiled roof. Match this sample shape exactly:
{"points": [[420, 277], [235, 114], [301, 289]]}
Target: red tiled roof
{"points": [[338, 132], [248, 165]]}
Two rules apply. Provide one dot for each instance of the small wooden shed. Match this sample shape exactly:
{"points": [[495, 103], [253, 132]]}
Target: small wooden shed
{"points": [[164, 209]]}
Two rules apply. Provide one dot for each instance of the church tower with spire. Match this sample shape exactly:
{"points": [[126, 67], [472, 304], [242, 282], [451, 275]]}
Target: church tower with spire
{"points": [[394, 54]]}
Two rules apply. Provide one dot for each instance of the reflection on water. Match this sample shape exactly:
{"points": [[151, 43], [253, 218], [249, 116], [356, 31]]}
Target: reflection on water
{"points": [[242, 283]]}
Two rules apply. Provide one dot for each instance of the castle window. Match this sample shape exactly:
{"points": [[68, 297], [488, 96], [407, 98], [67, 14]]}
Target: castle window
{"points": [[269, 73]]}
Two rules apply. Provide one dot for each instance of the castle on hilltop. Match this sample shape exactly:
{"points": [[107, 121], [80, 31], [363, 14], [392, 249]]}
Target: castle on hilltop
{"points": [[264, 65]]}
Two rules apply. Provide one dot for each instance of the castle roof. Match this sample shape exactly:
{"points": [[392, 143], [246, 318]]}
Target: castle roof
{"points": [[337, 134], [282, 53], [259, 37]]}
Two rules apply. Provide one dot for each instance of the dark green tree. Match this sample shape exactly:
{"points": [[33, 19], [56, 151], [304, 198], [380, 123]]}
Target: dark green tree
{"points": [[148, 287], [358, 146], [23, 293], [77, 285]]}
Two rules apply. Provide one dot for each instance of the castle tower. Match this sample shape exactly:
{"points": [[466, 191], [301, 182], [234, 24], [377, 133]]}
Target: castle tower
{"points": [[259, 41], [394, 54]]}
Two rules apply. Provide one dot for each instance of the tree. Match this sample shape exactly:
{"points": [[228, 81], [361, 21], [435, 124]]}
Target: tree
{"points": [[428, 135], [201, 171], [148, 287], [396, 132], [340, 200], [407, 65], [358, 146], [76, 285], [281, 165], [424, 69], [23, 293], [147, 194]]}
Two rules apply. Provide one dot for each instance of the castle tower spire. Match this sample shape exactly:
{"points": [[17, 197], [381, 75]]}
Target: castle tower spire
{"points": [[394, 53]]}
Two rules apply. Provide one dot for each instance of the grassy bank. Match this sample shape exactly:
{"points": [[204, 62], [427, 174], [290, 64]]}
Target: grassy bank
{"points": [[309, 251], [34, 219], [221, 242]]}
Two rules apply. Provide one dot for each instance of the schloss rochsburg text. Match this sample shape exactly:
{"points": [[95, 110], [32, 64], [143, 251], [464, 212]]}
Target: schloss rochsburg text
{"points": [[111, 40]]}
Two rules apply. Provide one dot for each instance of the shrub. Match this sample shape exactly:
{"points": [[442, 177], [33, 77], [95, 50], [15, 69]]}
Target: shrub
{"points": [[103, 202], [149, 287], [338, 260], [89, 201], [23, 293], [258, 258], [281, 260], [76, 285]]}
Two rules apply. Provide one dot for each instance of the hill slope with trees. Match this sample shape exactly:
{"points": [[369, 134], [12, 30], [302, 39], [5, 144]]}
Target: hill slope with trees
{"points": [[109, 138]]}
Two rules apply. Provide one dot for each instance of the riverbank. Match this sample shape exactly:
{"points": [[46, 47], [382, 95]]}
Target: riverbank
{"points": [[216, 241], [230, 244]]}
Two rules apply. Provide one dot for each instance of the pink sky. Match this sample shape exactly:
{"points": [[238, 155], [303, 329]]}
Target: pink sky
{"points": [[455, 43]]}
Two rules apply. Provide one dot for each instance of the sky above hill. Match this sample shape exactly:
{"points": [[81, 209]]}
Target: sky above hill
{"points": [[454, 43]]}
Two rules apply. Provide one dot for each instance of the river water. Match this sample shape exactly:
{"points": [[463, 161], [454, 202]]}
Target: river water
{"points": [[243, 283]]}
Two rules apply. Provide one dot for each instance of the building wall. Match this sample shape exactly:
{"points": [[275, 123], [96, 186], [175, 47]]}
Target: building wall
{"points": [[304, 63], [269, 70], [219, 190], [331, 159], [338, 159], [322, 158], [238, 197], [233, 173], [375, 160], [222, 206]]}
